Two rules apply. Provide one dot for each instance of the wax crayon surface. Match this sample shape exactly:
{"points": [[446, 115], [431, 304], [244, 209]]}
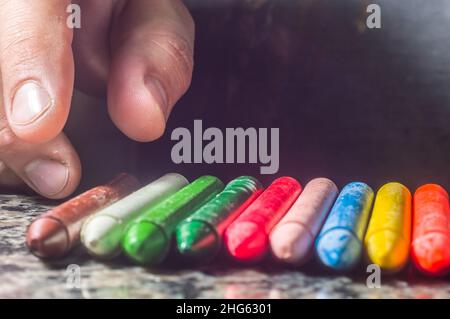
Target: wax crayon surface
{"points": [[339, 244], [54, 233], [102, 232], [247, 238], [389, 233], [199, 237], [147, 239], [430, 247], [293, 237]]}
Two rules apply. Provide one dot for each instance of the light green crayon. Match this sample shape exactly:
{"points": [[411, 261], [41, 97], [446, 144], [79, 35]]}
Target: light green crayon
{"points": [[147, 239], [102, 233]]}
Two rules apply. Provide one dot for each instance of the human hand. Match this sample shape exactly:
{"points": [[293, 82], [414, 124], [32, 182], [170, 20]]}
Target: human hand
{"points": [[137, 53]]}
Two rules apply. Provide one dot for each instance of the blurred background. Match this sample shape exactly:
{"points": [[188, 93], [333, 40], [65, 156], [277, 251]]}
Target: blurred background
{"points": [[352, 104]]}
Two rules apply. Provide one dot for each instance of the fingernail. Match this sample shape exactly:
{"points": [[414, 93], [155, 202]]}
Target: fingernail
{"points": [[29, 103], [159, 94], [47, 176]]}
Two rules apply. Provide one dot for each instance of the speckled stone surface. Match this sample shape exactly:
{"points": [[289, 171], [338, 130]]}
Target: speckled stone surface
{"points": [[24, 276]]}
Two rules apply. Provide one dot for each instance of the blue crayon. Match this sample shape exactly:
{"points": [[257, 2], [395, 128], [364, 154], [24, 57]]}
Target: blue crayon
{"points": [[339, 244]]}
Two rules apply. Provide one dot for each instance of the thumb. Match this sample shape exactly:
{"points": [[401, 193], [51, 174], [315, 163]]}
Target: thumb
{"points": [[36, 65], [151, 67]]}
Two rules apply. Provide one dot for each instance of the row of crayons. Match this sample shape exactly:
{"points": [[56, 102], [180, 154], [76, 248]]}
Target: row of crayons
{"points": [[292, 223]]}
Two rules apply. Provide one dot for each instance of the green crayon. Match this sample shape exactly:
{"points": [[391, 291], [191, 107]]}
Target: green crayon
{"points": [[199, 237], [147, 239]]}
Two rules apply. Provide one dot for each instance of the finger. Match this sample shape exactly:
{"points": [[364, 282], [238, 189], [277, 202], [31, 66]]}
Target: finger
{"points": [[151, 66], [9, 181], [36, 66], [52, 169], [91, 46]]}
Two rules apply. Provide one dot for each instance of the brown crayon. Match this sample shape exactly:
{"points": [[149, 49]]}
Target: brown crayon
{"points": [[54, 233]]}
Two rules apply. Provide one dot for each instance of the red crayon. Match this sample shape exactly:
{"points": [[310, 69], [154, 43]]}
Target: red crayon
{"points": [[430, 247], [54, 233], [247, 238]]}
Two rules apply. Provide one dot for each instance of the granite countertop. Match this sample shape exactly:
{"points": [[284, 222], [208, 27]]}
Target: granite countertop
{"points": [[24, 276], [361, 105]]}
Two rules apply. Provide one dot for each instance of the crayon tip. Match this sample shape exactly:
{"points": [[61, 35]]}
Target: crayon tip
{"points": [[246, 241], [47, 238], [431, 188], [101, 236], [431, 255], [145, 243], [291, 243], [387, 250], [339, 249], [196, 239]]}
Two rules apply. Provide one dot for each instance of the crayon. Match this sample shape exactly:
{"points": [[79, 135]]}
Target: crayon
{"points": [[147, 239], [102, 232], [293, 238], [247, 238], [54, 233], [430, 248], [339, 244], [389, 233], [199, 237]]}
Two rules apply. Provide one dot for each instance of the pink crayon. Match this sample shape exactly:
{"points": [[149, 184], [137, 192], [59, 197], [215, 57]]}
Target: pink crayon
{"points": [[292, 239]]}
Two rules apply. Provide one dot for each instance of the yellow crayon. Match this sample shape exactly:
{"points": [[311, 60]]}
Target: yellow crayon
{"points": [[388, 235]]}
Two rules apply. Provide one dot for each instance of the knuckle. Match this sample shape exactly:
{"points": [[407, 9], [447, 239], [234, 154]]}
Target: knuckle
{"points": [[17, 52], [179, 56], [22, 42], [19, 48]]}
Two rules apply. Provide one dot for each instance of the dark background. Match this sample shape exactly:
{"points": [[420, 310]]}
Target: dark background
{"points": [[351, 103]]}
